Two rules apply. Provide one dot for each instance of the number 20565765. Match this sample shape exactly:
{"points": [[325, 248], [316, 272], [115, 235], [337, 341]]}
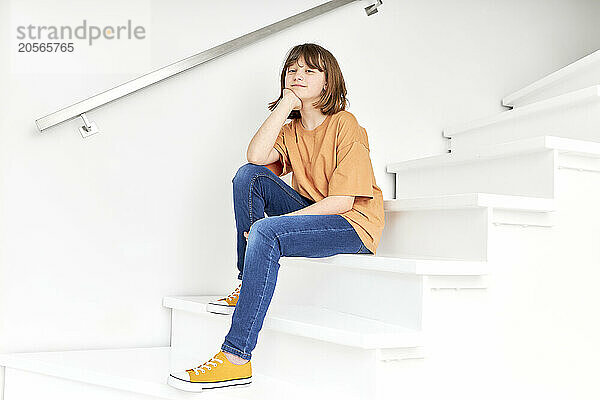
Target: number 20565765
{"points": [[45, 47]]}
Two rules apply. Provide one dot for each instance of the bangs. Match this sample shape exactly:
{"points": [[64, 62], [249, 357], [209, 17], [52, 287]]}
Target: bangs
{"points": [[311, 57]]}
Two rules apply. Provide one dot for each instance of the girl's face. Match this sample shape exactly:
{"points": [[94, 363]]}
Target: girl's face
{"points": [[306, 82]]}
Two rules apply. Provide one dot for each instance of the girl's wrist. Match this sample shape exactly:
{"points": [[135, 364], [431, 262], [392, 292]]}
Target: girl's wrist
{"points": [[287, 102]]}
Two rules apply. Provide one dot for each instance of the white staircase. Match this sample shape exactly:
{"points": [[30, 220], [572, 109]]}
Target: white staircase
{"points": [[317, 318], [476, 290]]}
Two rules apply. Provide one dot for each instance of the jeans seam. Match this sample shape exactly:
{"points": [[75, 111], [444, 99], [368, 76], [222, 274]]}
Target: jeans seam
{"points": [[314, 230], [261, 298], [266, 176]]}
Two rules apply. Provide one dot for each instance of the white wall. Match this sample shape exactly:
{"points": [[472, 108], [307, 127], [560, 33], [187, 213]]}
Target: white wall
{"points": [[94, 232]]}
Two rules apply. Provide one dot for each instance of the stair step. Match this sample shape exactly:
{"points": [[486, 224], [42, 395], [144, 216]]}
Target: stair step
{"points": [[589, 94], [524, 167], [316, 323], [470, 200], [138, 370], [513, 148], [401, 265], [462, 221], [582, 73], [574, 115]]}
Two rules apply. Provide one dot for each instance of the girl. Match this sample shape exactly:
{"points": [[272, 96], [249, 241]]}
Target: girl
{"points": [[333, 206]]}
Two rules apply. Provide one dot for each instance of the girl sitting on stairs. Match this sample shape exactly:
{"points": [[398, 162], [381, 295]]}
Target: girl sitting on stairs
{"points": [[333, 206]]}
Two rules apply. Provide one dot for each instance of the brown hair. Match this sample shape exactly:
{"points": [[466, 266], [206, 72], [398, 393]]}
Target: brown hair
{"points": [[333, 99]]}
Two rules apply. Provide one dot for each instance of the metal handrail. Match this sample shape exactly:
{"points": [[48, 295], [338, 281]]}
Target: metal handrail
{"points": [[79, 109]]}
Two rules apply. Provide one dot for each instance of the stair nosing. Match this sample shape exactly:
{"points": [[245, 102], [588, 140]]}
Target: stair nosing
{"points": [[470, 200], [552, 78], [500, 150], [395, 264], [590, 93]]}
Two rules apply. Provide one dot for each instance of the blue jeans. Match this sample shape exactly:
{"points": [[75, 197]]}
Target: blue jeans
{"points": [[256, 191]]}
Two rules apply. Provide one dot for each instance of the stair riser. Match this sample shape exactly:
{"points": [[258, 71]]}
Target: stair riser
{"points": [[384, 296], [530, 174], [458, 234], [580, 121], [583, 78], [196, 337], [451, 319]]}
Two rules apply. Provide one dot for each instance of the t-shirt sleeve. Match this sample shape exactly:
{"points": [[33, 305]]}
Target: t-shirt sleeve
{"points": [[352, 175], [284, 158]]}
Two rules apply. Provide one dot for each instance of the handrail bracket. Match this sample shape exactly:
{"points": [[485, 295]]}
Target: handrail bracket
{"points": [[372, 9], [88, 128]]}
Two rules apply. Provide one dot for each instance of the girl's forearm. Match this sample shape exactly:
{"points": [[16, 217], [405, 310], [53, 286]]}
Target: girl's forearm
{"points": [[328, 205], [263, 140]]}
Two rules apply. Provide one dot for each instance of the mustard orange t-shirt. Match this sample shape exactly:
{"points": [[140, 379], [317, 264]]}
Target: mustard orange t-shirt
{"points": [[333, 160]]}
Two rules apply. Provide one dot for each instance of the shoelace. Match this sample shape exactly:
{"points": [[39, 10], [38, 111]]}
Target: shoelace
{"points": [[205, 365]]}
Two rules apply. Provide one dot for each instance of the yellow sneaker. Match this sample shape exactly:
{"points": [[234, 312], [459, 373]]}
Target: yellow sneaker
{"points": [[225, 305], [217, 372]]}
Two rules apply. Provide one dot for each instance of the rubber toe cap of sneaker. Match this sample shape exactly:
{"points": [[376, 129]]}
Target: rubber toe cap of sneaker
{"points": [[183, 375]]}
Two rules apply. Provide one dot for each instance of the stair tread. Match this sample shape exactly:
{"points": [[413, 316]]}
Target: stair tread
{"points": [[506, 149], [139, 370], [393, 263], [553, 78], [470, 200], [316, 322], [588, 94]]}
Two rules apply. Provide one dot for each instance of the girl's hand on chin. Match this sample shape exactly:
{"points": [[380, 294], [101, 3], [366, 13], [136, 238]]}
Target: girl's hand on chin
{"points": [[294, 100]]}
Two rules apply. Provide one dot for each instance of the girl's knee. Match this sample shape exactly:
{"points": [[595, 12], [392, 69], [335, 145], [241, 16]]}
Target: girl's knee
{"points": [[262, 229], [247, 171]]}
